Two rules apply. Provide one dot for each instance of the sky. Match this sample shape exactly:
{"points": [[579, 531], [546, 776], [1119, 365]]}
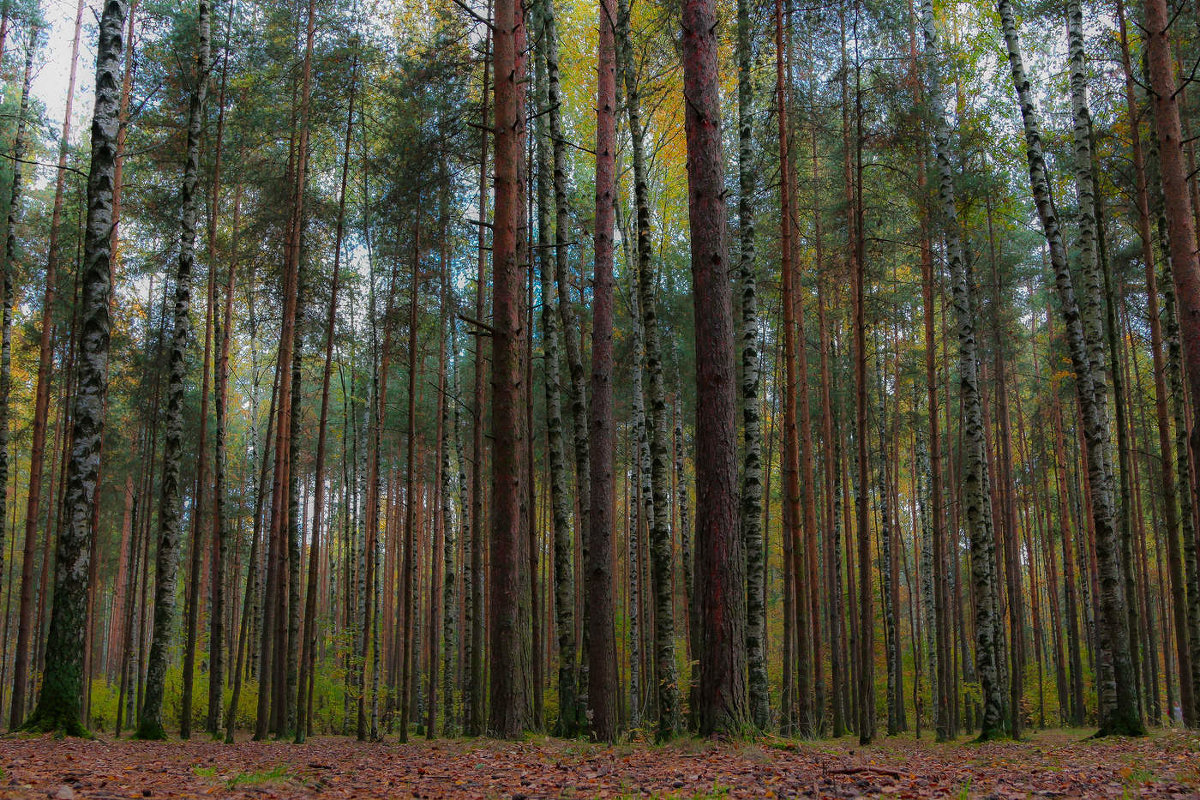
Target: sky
{"points": [[53, 65]]}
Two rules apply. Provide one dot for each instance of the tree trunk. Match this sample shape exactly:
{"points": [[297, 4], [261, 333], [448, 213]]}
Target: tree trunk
{"points": [[441, 481], [150, 725], [750, 508], [308, 643], [212, 332], [687, 556], [449, 607], [720, 566], [58, 705], [218, 628], [576, 385], [1185, 268], [941, 672], [1006, 489], [408, 568], [866, 612], [1186, 498], [560, 511], [221, 337], [658, 426], [602, 672], [976, 497], [833, 515], [889, 566], [7, 302], [473, 688], [41, 414], [509, 714], [1117, 685], [288, 665], [798, 621]]}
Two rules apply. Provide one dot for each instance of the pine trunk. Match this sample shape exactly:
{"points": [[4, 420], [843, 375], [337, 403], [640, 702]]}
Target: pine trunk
{"points": [[308, 642], [473, 688], [602, 672], [1185, 272], [7, 303], [408, 568], [1186, 498], [509, 712], [720, 565], [798, 620]]}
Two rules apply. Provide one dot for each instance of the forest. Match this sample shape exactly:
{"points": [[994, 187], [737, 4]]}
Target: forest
{"points": [[687, 397]]}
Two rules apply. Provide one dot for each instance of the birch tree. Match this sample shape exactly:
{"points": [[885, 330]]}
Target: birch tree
{"points": [[975, 491], [58, 704], [150, 724], [1117, 685]]}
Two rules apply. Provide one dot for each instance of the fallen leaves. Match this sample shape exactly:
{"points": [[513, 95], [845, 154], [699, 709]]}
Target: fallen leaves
{"points": [[1055, 765]]}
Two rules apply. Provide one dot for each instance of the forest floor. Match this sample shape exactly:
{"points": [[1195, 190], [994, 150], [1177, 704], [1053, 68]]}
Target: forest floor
{"points": [[1050, 764]]}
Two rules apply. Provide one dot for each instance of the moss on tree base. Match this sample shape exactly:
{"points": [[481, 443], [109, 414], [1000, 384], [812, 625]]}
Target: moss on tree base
{"points": [[1133, 728], [150, 731], [61, 722]]}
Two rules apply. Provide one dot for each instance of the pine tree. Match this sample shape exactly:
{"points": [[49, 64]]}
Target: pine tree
{"points": [[720, 566]]}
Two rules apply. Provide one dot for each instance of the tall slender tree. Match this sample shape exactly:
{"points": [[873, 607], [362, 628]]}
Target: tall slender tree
{"points": [[7, 302], [975, 492], [308, 643], [59, 702], [662, 567], [473, 688], [509, 711], [1179, 210], [150, 724], [560, 513], [219, 552], [750, 509], [602, 665], [720, 565], [792, 523], [1119, 713], [1169, 485]]}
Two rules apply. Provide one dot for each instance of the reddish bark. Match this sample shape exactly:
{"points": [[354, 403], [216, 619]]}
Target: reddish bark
{"points": [[602, 667], [509, 713], [720, 569]]}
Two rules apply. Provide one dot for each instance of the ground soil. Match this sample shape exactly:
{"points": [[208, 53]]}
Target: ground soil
{"points": [[1053, 764]]}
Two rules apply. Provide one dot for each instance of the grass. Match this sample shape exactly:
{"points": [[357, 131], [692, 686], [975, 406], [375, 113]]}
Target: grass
{"points": [[718, 792], [276, 774], [1140, 776]]}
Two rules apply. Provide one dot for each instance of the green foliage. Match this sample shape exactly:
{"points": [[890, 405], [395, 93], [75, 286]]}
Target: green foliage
{"points": [[103, 705]]}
